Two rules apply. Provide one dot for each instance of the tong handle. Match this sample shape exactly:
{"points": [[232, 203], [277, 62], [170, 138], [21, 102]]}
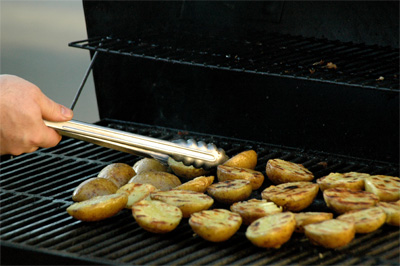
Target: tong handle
{"points": [[134, 143]]}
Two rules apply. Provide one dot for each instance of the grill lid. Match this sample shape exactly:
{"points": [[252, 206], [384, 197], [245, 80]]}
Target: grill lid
{"points": [[36, 189]]}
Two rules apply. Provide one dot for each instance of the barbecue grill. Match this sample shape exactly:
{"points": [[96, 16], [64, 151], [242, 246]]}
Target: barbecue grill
{"points": [[242, 75]]}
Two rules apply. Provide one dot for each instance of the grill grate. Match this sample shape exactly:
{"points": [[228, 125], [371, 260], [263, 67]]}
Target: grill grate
{"points": [[36, 189], [266, 54]]}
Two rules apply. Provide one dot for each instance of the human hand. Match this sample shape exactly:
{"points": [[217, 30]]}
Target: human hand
{"points": [[22, 109]]}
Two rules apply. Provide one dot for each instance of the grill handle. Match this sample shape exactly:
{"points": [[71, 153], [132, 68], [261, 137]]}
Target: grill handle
{"points": [[199, 154]]}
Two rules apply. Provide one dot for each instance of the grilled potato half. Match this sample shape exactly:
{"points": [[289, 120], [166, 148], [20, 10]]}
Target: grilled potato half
{"points": [[156, 216], [387, 188], [305, 218], [392, 210], [98, 208], [161, 180], [331, 233], [254, 209], [224, 173], [366, 220], [93, 187], [281, 171], [351, 180], [188, 201], [198, 184], [343, 200], [149, 164], [215, 225], [245, 159], [230, 191], [293, 196], [185, 171], [119, 173], [136, 192], [272, 231]]}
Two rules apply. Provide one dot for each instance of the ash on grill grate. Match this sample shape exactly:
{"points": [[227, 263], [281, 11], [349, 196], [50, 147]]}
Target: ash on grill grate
{"points": [[33, 216], [265, 54]]}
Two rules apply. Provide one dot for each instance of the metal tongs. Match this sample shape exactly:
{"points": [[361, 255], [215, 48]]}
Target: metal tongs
{"points": [[199, 154]]}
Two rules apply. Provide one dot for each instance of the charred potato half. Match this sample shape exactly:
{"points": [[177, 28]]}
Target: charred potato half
{"points": [[254, 209], [281, 171], [365, 221], [392, 210], [271, 231], [352, 180], [198, 184], [294, 196], [305, 218], [136, 192], [119, 173], [93, 187], [331, 233], [156, 216], [188, 201], [224, 173], [230, 191], [215, 225], [387, 188], [98, 208]]}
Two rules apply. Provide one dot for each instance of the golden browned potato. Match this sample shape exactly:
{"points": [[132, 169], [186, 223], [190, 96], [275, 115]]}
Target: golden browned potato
{"points": [[136, 192], [342, 200], [281, 171], [119, 173], [224, 173], [93, 187], [331, 233], [198, 184], [230, 191], [366, 220], [188, 201], [161, 180], [215, 225], [254, 209], [294, 196], [304, 218], [98, 208], [392, 210], [149, 164], [271, 231], [246, 159], [156, 216], [387, 188], [351, 180], [185, 171]]}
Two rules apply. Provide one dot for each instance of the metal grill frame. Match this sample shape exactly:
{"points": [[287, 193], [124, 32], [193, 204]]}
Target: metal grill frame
{"points": [[36, 189], [272, 54]]}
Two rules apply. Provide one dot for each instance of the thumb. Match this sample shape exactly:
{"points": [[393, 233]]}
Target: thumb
{"points": [[53, 111]]}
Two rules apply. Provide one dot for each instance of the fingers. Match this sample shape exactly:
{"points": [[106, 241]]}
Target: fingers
{"points": [[53, 111]]}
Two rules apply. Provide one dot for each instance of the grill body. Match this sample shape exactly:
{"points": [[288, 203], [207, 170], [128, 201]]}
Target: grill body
{"points": [[243, 75]]}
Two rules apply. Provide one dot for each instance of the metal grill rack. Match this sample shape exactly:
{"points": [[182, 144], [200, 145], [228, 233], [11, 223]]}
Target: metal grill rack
{"points": [[265, 54], [36, 189]]}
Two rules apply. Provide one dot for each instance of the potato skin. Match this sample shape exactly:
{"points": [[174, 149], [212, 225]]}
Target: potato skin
{"points": [[224, 173], [98, 208], [161, 180], [245, 159], [119, 173], [340, 233], [149, 164], [93, 187], [184, 171], [281, 171]]}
